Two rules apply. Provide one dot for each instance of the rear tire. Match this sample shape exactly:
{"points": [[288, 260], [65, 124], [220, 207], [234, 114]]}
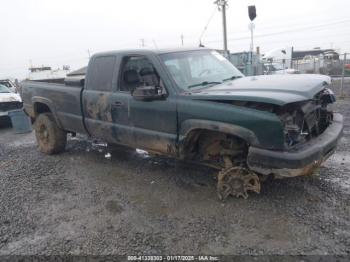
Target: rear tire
{"points": [[50, 138]]}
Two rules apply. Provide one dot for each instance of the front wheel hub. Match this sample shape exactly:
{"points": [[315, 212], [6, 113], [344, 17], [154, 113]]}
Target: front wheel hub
{"points": [[237, 181]]}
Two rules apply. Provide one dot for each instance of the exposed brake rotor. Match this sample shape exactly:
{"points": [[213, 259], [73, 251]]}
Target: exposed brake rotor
{"points": [[236, 181]]}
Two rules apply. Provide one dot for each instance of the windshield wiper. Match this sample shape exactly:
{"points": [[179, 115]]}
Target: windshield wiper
{"points": [[231, 78], [205, 83]]}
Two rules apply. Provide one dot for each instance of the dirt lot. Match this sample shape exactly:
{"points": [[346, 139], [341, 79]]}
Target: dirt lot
{"points": [[81, 202]]}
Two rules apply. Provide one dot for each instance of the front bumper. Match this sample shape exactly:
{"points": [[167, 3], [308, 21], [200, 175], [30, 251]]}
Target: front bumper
{"points": [[301, 160]]}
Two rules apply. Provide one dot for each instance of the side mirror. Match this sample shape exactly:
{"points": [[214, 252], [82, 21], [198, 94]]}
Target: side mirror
{"points": [[147, 93]]}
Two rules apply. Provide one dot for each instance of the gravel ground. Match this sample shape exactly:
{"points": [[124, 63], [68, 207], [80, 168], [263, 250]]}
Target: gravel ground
{"points": [[81, 202]]}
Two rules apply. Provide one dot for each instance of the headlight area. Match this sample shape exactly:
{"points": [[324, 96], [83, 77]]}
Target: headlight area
{"points": [[305, 120]]}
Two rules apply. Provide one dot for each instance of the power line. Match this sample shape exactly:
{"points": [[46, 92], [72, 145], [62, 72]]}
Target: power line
{"points": [[303, 28], [283, 32], [303, 38], [262, 27]]}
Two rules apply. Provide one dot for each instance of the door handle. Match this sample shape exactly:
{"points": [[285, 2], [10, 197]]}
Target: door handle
{"points": [[117, 104]]}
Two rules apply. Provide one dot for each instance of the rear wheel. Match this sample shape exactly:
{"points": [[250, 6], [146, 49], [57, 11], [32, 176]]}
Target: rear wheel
{"points": [[50, 138]]}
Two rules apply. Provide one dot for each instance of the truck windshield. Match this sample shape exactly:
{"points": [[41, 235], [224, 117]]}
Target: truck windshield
{"points": [[199, 68]]}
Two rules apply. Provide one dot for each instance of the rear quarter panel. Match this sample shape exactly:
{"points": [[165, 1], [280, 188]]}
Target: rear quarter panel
{"points": [[63, 101]]}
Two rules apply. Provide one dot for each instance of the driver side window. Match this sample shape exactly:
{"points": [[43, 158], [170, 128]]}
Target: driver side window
{"points": [[138, 71]]}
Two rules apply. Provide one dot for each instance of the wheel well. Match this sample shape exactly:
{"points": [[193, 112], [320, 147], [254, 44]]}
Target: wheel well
{"points": [[208, 145], [41, 108]]}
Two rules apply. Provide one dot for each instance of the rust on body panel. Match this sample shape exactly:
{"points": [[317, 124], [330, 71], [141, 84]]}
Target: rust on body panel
{"points": [[289, 172]]}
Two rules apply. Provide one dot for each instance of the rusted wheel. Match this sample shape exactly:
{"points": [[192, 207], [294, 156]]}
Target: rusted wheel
{"points": [[50, 138], [237, 181]]}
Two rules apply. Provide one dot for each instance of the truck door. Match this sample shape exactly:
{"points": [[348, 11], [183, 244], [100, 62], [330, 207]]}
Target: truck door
{"points": [[154, 123], [105, 108]]}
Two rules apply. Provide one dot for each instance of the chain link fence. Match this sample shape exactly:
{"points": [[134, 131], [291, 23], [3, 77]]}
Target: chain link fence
{"points": [[336, 66]]}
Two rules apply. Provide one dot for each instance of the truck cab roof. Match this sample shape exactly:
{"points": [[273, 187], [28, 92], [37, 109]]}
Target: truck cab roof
{"points": [[149, 51]]}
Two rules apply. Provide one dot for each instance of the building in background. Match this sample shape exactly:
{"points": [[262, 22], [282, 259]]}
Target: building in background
{"points": [[47, 73]]}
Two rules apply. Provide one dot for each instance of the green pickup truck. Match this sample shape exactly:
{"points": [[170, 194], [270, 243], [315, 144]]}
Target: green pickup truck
{"points": [[192, 104]]}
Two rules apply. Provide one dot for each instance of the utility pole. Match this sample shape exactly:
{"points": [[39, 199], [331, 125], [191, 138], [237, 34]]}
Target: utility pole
{"points": [[251, 28], [222, 4], [182, 39], [89, 53]]}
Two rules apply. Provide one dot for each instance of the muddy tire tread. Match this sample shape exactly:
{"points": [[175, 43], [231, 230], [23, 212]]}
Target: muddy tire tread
{"points": [[57, 138]]}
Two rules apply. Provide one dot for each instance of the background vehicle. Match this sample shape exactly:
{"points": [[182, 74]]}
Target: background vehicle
{"points": [[9, 84], [193, 105], [8, 101]]}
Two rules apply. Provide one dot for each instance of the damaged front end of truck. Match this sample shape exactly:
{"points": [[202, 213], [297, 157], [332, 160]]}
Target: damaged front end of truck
{"points": [[311, 131], [303, 134]]}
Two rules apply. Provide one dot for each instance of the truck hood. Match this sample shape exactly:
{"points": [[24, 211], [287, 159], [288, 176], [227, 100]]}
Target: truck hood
{"points": [[9, 97], [272, 89]]}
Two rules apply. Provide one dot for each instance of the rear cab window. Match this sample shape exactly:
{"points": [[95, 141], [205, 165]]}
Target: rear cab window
{"points": [[102, 73]]}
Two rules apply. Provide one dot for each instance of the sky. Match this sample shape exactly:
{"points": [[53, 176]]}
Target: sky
{"points": [[65, 32]]}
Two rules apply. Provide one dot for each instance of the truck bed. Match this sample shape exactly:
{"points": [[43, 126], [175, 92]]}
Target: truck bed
{"points": [[66, 106]]}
